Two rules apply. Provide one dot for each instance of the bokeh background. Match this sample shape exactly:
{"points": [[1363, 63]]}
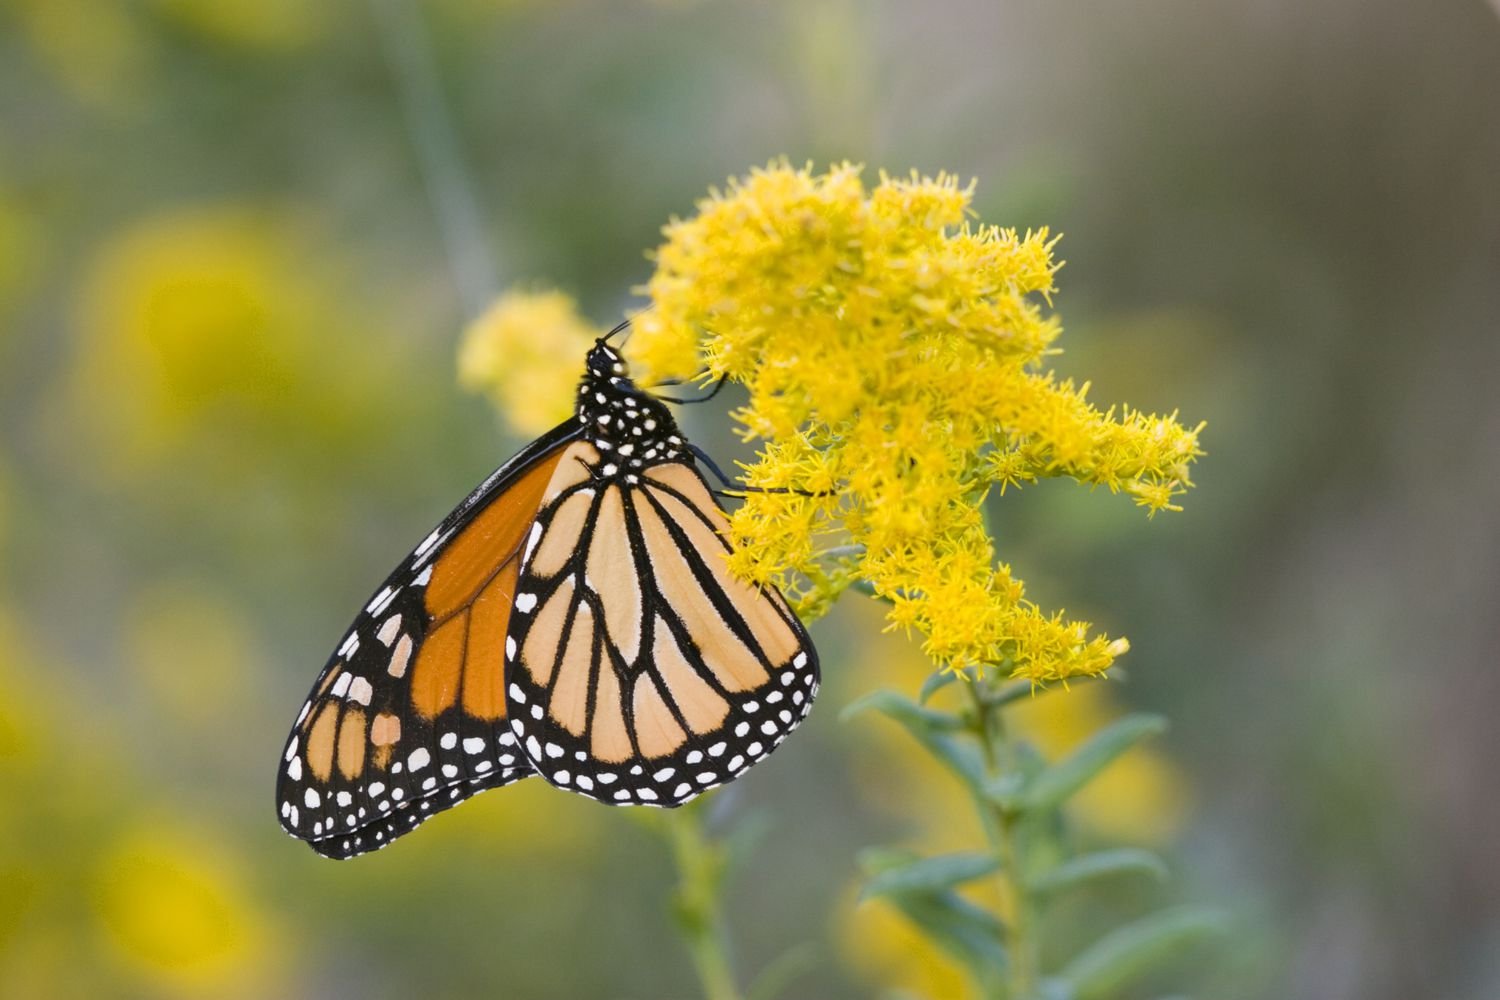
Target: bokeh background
{"points": [[236, 253]]}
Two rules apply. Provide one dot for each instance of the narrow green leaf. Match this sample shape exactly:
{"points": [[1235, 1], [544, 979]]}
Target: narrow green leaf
{"points": [[1011, 691], [1004, 790], [901, 708], [1053, 785], [930, 728], [1105, 966], [968, 932], [930, 874], [934, 683], [874, 860], [1101, 864]]}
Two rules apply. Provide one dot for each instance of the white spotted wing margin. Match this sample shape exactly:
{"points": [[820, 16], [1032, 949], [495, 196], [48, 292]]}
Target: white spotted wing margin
{"points": [[362, 766], [641, 671]]}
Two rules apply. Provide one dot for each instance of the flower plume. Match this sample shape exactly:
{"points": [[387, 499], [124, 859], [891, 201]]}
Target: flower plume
{"points": [[895, 357]]}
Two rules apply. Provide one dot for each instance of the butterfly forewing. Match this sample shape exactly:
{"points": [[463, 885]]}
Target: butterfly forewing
{"points": [[640, 670], [408, 717]]}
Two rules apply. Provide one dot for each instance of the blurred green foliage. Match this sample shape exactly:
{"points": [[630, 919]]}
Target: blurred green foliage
{"points": [[228, 404]]}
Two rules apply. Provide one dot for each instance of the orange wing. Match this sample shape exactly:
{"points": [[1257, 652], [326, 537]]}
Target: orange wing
{"points": [[408, 717], [642, 672]]}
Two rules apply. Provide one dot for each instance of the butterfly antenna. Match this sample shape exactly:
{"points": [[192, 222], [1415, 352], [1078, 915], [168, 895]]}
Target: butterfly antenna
{"points": [[619, 328], [718, 385], [732, 488]]}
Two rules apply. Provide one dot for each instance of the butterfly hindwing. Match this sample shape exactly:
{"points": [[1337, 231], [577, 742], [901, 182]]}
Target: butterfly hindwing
{"points": [[408, 717], [640, 670]]}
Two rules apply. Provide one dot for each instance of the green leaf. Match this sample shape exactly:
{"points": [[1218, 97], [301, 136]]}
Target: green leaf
{"points": [[1102, 864], [1010, 691], [1053, 785], [901, 708], [1108, 964], [968, 932], [934, 683], [874, 860], [930, 874], [930, 728]]}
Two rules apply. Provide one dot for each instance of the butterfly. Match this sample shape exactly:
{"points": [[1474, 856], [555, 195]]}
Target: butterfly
{"points": [[574, 618]]}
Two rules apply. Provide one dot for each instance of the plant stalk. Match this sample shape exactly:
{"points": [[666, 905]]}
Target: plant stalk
{"points": [[700, 869], [1000, 759]]}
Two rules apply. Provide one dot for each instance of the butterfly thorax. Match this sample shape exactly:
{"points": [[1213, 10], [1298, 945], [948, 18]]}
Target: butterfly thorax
{"points": [[631, 429]]}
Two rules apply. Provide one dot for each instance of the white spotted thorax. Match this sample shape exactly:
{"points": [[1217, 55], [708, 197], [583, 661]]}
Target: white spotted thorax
{"points": [[630, 428]]}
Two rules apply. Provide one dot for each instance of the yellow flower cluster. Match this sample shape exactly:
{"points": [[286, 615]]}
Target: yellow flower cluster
{"points": [[893, 354], [525, 352]]}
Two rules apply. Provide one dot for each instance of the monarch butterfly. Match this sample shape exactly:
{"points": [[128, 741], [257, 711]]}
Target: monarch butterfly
{"points": [[572, 618]]}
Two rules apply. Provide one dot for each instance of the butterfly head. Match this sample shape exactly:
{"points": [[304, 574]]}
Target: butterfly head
{"points": [[631, 428]]}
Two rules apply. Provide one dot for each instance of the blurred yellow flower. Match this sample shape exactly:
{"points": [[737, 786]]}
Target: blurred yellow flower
{"points": [[221, 336], [526, 352], [188, 314], [95, 48], [268, 24], [1141, 798], [893, 355], [176, 909], [88, 888]]}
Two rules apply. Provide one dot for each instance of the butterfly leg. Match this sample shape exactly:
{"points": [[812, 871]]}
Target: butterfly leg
{"points": [[718, 385]]}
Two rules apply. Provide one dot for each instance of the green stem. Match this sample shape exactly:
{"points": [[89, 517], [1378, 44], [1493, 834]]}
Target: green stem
{"points": [[1000, 758], [409, 49], [700, 869]]}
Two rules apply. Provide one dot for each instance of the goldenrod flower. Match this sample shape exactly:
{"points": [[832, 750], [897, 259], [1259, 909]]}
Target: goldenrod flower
{"points": [[894, 356], [524, 351], [178, 910]]}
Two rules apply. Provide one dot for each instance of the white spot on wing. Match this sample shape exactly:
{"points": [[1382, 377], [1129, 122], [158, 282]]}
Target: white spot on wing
{"points": [[388, 630], [399, 656], [381, 601], [361, 691], [536, 535], [428, 542]]}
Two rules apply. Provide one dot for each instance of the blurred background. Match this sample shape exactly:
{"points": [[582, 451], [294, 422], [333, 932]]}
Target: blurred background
{"points": [[235, 262]]}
